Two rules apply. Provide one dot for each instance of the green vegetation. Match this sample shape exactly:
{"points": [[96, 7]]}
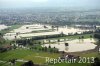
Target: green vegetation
{"points": [[10, 28], [72, 37], [36, 57], [72, 64], [40, 31]]}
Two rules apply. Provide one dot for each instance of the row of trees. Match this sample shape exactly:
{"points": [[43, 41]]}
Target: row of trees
{"points": [[97, 36], [45, 49]]}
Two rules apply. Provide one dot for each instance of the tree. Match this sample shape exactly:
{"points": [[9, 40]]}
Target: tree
{"points": [[58, 41], [45, 49], [97, 36], [64, 39], [43, 42], [82, 37], [1, 35], [52, 28], [49, 46], [13, 61], [27, 27], [29, 63], [63, 52], [96, 62], [62, 34], [49, 41], [66, 44], [91, 36], [45, 26], [57, 28], [79, 37]]}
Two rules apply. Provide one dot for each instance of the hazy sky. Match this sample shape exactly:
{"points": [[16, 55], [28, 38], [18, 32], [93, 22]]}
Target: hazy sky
{"points": [[49, 3]]}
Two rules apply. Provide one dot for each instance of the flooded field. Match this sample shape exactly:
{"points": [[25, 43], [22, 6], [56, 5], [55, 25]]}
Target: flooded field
{"points": [[3, 27], [74, 45], [39, 30]]}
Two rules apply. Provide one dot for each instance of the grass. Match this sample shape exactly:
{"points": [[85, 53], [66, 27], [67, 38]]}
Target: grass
{"points": [[77, 36], [92, 54], [10, 28], [72, 64], [36, 57], [70, 37], [39, 57]]}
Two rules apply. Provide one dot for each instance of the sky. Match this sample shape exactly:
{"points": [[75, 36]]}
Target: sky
{"points": [[49, 3]]}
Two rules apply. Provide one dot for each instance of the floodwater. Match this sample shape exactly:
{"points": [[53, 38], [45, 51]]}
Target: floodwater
{"points": [[3, 27], [76, 45], [26, 31]]}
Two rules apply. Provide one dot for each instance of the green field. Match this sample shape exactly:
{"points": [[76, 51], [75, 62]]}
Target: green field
{"points": [[38, 57], [70, 37], [10, 28], [35, 56]]}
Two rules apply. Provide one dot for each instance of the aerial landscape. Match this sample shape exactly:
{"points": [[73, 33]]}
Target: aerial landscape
{"points": [[49, 33]]}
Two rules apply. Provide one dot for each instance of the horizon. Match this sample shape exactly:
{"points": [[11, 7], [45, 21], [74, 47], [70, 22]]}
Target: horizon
{"points": [[94, 4]]}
